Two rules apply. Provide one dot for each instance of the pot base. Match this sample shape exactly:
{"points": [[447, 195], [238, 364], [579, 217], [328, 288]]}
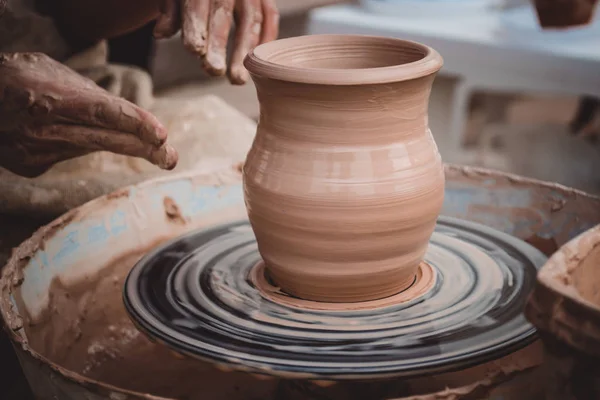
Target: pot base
{"points": [[204, 295], [420, 285], [370, 286]]}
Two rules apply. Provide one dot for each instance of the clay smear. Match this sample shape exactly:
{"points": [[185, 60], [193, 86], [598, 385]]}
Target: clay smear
{"points": [[344, 181]]}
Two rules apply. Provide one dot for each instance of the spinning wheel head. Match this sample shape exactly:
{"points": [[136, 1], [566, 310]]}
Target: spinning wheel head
{"points": [[206, 295]]}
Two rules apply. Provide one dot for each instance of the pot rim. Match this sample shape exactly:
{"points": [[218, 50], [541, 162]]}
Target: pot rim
{"points": [[258, 62]]}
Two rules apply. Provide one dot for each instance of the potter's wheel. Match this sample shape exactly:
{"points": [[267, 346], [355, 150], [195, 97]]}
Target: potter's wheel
{"points": [[206, 295]]}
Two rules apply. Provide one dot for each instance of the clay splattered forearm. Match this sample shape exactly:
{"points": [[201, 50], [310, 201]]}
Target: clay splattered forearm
{"points": [[86, 22]]}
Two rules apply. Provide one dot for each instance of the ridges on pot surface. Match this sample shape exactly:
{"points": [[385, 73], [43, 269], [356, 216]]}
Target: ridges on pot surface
{"points": [[62, 306]]}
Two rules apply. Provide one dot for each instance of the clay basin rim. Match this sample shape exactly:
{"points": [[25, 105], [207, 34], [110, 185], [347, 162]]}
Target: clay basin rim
{"points": [[342, 60]]}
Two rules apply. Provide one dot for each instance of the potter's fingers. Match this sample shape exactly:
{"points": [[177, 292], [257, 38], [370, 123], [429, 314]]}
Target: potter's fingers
{"points": [[219, 27], [270, 27], [250, 19], [169, 21], [93, 139], [99, 109], [195, 15]]}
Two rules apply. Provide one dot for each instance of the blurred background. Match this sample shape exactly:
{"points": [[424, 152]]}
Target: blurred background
{"points": [[511, 96]]}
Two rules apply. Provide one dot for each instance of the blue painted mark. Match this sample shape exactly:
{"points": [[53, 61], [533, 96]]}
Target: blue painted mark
{"points": [[558, 223], [557, 196], [462, 202], [97, 233], [69, 245], [498, 221], [118, 222], [525, 227], [42, 258], [580, 229], [202, 197], [33, 272], [459, 200], [39, 259], [208, 198]]}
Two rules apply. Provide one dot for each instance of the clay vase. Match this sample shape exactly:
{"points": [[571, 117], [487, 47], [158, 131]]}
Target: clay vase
{"points": [[344, 181]]}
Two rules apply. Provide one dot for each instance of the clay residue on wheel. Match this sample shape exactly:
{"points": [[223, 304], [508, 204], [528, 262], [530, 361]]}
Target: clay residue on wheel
{"points": [[173, 211], [118, 193]]}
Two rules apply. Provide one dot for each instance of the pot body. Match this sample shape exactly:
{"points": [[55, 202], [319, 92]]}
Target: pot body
{"points": [[343, 186]]}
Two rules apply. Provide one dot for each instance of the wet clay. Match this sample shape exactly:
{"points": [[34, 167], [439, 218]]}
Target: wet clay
{"points": [[344, 182]]}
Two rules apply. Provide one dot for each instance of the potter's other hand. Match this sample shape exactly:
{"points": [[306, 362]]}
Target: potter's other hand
{"points": [[49, 113], [206, 24]]}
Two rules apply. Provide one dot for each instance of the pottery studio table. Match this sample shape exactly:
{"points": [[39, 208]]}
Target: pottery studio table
{"points": [[490, 50]]}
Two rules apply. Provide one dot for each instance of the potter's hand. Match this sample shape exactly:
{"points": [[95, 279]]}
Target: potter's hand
{"points": [[49, 113], [205, 26]]}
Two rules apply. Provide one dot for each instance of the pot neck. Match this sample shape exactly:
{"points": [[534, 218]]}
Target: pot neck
{"points": [[340, 115]]}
